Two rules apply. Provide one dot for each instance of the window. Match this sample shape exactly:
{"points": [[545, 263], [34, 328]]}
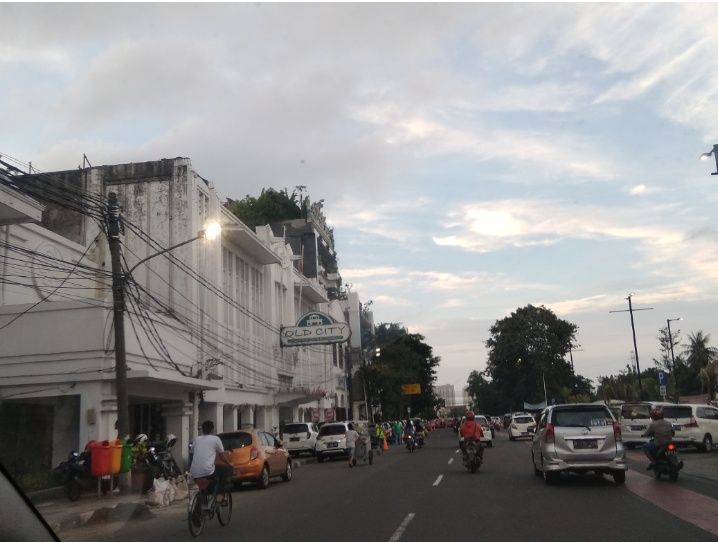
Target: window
{"points": [[636, 411], [295, 428], [589, 417], [671, 412], [332, 430], [236, 441], [523, 420]]}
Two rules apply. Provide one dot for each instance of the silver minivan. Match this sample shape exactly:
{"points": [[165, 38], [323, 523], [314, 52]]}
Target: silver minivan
{"points": [[578, 438]]}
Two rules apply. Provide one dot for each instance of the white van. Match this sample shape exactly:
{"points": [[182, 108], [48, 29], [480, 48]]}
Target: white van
{"points": [[695, 425], [635, 417]]}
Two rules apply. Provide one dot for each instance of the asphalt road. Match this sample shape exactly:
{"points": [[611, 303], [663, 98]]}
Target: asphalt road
{"points": [[429, 496]]}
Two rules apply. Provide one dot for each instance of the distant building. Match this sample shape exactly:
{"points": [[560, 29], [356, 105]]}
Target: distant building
{"points": [[446, 393]]}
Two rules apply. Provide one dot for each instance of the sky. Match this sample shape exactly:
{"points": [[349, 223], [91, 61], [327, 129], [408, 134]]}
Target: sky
{"points": [[473, 158]]}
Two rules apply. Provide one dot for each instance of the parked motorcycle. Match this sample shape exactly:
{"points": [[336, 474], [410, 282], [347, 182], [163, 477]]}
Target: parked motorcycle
{"points": [[472, 456], [159, 458], [76, 476], [667, 462]]}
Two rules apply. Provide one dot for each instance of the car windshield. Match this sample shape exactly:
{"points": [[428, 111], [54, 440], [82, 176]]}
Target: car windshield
{"points": [[295, 428], [636, 411], [523, 420], [588, 416], [236, 441], [676, 412], [482, 421], [332, 430]]}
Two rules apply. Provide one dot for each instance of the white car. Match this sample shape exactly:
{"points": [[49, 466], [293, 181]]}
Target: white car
{"points": [[635, 417], [695, 425], [522, 426], [331, 441], [299, 437]]}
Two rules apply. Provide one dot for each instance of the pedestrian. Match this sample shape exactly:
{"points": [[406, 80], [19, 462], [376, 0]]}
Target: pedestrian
{"points": [[352, 436], [380, 436], [397, 432]]}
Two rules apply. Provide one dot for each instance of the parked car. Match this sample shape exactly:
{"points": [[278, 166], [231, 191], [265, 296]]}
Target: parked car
{"points": [[332, 440], [299, 437], [635, 417], [522, 425], [694, 425], [256, 456], [578, 438]]}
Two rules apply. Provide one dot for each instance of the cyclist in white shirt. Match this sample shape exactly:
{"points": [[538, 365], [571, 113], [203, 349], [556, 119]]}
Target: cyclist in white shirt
{"points": [[206, 448]]}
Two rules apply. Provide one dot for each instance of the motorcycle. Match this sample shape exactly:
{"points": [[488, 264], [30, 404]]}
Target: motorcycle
{"points": [[159, 458], [76, 476], [667, 463], [420, 439], [410, 443], [472, 456]]}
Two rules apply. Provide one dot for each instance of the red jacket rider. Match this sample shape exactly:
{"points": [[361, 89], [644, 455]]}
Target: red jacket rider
{"points": [[470, 429]]}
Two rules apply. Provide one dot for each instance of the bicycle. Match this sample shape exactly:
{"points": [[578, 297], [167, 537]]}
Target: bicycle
{"points": [[203, 505]]}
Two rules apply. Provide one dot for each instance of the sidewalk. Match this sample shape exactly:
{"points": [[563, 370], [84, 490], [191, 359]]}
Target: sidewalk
{"points": [[63, 515]]}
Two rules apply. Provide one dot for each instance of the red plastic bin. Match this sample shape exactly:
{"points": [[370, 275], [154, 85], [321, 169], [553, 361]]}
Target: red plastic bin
{"points": [[99, 458]]}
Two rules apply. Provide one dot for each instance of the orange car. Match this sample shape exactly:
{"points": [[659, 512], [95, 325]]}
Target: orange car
{"points": [[256, 456]]}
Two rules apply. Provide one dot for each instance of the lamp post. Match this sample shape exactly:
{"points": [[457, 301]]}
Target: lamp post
{"points": [[714, 152]]}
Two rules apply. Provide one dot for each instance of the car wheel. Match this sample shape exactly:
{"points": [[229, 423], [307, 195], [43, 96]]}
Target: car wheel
{"points": [[511, 438], [263, 481], [707, 443], [288, 474], [549, 477], [619, 477]]}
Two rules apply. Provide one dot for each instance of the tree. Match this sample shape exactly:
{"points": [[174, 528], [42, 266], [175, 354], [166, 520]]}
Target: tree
{"points": [[526, 348], [665, 342], [698, 353], [405, 359], [270, 206]]}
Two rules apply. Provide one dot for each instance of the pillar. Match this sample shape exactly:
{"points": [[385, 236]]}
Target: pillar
{"points": [[230, 418], [246, 415], [177, 417]]}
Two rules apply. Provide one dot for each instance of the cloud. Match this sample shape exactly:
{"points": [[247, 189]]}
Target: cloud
{"points": [[641, 190]]}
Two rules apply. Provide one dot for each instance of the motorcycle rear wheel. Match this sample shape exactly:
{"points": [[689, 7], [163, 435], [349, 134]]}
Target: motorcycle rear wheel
{"points": [[73, 489]]}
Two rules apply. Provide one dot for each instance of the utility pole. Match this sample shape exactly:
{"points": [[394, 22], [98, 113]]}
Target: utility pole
{"points": [[118, 306], [635, 346]]}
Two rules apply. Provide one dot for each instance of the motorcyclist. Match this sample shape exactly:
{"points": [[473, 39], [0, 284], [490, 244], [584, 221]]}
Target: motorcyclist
{"points": [[409, 430], [662, 433], [470, 431]]}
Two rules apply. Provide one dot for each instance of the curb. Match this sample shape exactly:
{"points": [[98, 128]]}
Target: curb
{"points": [[122, 511], [53, 493]]}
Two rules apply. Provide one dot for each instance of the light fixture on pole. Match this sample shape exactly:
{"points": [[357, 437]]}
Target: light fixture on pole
{"points": [[714, 152]]}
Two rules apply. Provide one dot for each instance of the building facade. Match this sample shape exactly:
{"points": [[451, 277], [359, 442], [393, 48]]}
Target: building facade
{"points": [[202, 321]]}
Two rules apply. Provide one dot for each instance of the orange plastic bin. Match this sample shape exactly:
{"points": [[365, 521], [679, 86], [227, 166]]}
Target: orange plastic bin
{"points": [[115, 456], [99, 458]]}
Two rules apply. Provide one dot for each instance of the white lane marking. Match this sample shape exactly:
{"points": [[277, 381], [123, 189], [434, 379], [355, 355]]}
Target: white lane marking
{"points": [[402, 528], [438, 480], [451, 460]]}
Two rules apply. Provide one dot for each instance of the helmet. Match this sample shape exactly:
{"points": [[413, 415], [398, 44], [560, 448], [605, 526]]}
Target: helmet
{"points": [[656, 413], [470, 415]]}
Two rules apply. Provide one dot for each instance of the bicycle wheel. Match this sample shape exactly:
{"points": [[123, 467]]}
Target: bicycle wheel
{"points": [[195, 515], [224, 511]]}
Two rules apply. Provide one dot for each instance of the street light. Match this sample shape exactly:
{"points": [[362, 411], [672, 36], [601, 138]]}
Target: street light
{"points": [[714, 152]]}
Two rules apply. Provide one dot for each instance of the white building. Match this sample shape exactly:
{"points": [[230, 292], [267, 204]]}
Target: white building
{"points": [[202, 322]]}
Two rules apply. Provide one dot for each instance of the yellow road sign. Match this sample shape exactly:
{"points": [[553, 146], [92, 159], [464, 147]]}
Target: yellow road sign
{"points": [[414, 388]]}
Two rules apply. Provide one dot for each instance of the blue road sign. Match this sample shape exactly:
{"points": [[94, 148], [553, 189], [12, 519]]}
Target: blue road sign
{"points": [[662, 380]]}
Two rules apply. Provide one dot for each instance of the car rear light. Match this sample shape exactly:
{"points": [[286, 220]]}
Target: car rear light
{"points": [[617, 431], [253, 453], [692, 424], [550, 437], [671, 447]]}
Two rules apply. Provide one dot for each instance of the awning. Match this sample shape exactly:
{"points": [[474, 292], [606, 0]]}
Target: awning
{"points": [[175, 380], [311, 289], [17, 208], [248, 241], [296, 396]]}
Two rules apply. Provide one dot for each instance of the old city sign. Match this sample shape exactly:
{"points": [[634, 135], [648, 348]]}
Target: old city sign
{"points": [[314, 328]]}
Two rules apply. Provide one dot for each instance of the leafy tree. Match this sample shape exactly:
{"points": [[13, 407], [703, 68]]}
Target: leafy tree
{"points": [[665, 342], [405, 359], [270, 206], [698, 353], [528, 347]]}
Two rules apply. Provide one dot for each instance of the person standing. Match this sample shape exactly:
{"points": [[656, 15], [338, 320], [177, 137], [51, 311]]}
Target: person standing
{"points": [[380, 436], [397, 432], [351, 436]]}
